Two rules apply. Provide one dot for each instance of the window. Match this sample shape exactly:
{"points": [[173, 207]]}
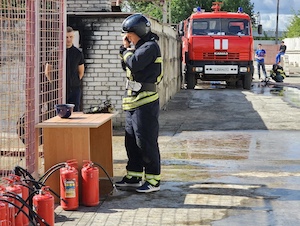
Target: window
{"points": [[220, 26]]}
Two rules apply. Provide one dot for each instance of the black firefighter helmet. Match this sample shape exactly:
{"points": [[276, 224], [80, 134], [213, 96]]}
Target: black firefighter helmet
{"points": [[138, 24]]}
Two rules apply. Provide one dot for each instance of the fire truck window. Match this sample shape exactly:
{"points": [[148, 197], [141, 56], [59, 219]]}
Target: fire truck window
{"points": [[220, 26], [238, 27], [234, 29], [246, 28], [200, 27], [213, 25]]}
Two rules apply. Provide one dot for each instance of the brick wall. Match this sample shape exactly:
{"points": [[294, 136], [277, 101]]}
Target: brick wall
{"points": [[271, 49], [88, 5], [104, 78]]}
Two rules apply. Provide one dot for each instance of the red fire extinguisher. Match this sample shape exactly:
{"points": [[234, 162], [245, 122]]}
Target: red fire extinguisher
{"points": [[90, 184], [69, 186], [3, 213], [4, 218], [25, 194], [16, 191], [43, 205]]}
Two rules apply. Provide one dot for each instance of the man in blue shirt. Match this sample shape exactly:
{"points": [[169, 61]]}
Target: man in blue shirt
{"points": [[260, 54]]}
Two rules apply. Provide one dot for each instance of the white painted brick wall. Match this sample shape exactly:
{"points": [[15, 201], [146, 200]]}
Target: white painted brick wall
{"points": [[89, 5], [104, 78]]}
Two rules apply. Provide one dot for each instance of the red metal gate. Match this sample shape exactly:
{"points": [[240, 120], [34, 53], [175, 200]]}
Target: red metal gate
{"points": [[31, 34]]}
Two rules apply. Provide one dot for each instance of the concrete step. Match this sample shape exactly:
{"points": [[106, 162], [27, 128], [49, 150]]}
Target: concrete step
{"points": [[292, 69]]}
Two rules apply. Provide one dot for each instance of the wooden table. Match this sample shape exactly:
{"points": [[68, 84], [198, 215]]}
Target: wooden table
{"points": [[80, 137]]}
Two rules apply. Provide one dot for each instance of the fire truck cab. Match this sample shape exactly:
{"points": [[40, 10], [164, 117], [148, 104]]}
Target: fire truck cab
{"points": [[217, 46]]}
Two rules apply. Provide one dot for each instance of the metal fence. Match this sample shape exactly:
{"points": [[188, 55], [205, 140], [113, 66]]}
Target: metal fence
{"points": [[31, 34]]}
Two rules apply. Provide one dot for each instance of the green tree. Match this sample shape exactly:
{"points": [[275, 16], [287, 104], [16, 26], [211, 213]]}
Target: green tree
{"points": [[182, 9], [154, 10], [293, 30], [232, 6]]}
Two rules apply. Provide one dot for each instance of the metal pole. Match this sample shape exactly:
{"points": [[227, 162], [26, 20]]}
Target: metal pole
{"points": [[165, 12], [31, 148], [170, 20], [277, 16]]}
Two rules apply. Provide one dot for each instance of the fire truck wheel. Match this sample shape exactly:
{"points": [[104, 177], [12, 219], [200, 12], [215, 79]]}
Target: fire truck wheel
{"points": [[191, 81], [247, 81], [239, 84]]}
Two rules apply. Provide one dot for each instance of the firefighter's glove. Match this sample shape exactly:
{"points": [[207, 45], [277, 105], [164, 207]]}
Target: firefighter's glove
{"points": [[122, 50], [123, 65]]}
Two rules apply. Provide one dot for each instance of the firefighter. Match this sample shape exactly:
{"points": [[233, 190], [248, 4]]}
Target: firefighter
{"points": [[143, 65], [277, 73]]}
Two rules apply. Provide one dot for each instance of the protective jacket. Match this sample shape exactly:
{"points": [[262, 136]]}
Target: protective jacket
{"points": [[143, 65], [277, 73]]}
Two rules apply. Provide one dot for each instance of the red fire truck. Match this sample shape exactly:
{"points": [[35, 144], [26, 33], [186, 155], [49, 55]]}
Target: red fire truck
{"points": [[217, 46]]}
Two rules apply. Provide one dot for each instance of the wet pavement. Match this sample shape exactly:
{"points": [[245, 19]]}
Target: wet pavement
{"points": [[229, 157]]}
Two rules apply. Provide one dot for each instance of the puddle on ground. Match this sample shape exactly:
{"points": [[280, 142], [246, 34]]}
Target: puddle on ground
{"points": [[194, 149], [292, 95], [289, 94]]}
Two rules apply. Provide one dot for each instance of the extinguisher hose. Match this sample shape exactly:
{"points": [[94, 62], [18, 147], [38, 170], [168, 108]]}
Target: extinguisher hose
{"points": [[22, 201], [28, 198], [51, 170], [50, 173], [20, 209], [25, 185], [35, 183], [19, 171], [111, 181], [40, 185]]}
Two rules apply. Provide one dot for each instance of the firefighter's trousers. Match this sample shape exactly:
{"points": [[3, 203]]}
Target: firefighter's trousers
{"points": [[141, 139]]}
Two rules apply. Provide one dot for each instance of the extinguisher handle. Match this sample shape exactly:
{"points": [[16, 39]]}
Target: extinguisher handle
{"points": [[87, 163], [45, 188], [15, 177], [71, 160], [9, 180], [2, 188], [73, 163]]}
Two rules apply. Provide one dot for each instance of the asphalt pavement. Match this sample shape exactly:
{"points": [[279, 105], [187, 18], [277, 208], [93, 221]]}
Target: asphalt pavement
{"points": [[229, 157]]}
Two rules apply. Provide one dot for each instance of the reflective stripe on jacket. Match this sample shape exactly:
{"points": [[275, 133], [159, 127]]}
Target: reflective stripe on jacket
{"points": [[144, 65]]}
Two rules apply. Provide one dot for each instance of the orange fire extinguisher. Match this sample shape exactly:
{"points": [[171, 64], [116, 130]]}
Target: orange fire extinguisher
{"points": [[69, 186], [43, 205], [16, 191], [90, 184]]}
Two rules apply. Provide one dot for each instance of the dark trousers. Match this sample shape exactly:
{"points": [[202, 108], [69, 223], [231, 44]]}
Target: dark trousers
{"points": [[278, 56], [141, 135], [262, 65], [73, 97]]}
